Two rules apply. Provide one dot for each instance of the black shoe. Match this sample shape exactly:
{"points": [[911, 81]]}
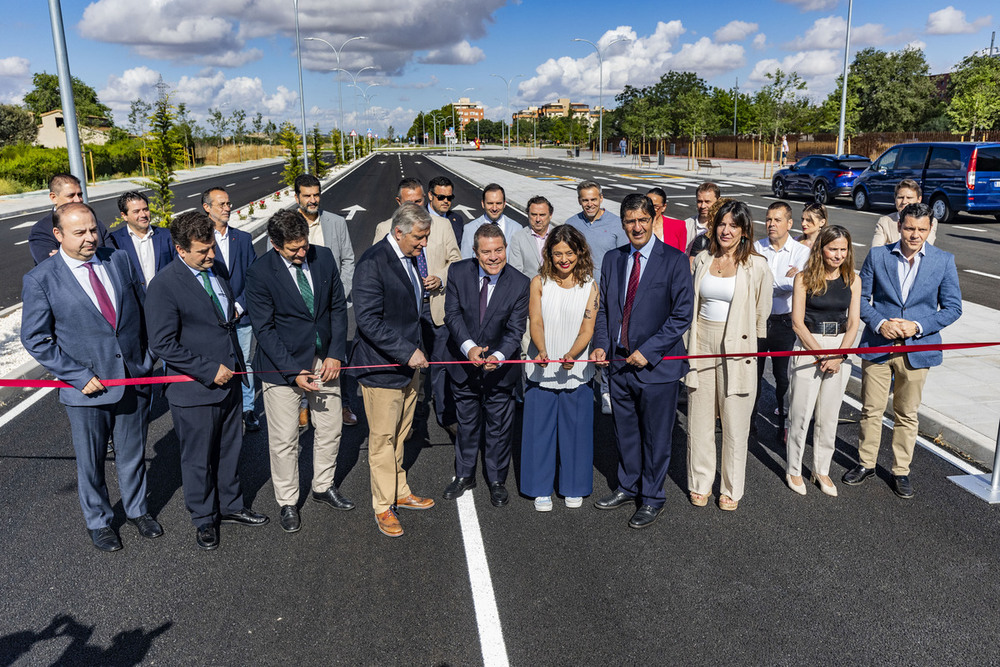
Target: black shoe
{"points": [[148, 526], [250, 422], [245, 517], [334, 499], [290, 519], [105, 539], [645, 516], [901, 485], [207, 537], [498, 494], [614, 501], [458, 486], [857, 474]]}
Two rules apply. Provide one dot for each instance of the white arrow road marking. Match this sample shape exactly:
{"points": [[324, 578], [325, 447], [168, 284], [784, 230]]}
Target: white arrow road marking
{"points": [[351, 210], [464, 209]]}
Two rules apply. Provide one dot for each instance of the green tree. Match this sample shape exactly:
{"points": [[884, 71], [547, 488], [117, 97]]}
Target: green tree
{"points": [[138, 115], [893, 89], [17, 125], [289, 138], [696, 113], [44, 97], [219, 124], [779, 101], [316, 162], [239, 122], [975, 94], [830, 110], [166, 154]]}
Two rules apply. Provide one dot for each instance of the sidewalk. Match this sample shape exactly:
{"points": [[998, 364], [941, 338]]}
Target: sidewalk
{"points": [[960, 409]]}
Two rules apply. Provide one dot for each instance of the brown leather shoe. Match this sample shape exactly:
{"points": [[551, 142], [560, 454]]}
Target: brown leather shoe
{"points": [[388, 524], [412, 502], [350, 419], [303, 418]]}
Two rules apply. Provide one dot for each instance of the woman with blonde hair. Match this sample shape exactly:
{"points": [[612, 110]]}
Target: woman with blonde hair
{"points": [[732, 301], [814, 219], [826, 314]]}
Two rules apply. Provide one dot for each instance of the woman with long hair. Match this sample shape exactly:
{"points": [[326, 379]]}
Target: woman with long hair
{"points": [[826, 314], [814, 219], [558, 400], [732, 301]]}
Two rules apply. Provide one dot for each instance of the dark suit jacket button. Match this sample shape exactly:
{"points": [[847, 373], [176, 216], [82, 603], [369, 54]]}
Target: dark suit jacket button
{"points": [[744, 337], [749, 360], [118, 356]]}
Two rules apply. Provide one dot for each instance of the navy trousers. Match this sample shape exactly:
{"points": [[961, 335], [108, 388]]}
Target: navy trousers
{"points": [[436, 340], [557, 435], [485, 414]]}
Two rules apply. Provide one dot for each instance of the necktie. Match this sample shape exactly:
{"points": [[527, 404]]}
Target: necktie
{"points": [[422, 265], [211, 292], [633, 285], [103, 300], [483, 298], [411, 272], [307, 296]]}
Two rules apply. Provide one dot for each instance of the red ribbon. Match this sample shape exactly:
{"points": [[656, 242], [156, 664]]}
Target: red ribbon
{"points": [[882, 349]]}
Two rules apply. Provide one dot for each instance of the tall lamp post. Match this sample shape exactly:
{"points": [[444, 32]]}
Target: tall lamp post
{"points": [[600, 94], [507, 84], [843, 92], [302, 99], [340, 92], [354, 82], [436, 118]]}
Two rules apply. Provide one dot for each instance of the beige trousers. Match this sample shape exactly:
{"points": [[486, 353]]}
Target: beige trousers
{"points": [[281, 405], [390, 416], [815, 393], [907, 385], [706, 403]]}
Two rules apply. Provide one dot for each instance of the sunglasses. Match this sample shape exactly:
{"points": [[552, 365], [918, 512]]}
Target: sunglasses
{"points": [[444, 197]]}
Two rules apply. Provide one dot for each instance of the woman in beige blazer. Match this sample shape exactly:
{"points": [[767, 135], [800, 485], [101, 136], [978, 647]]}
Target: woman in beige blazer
{"points": [[732, 301]]}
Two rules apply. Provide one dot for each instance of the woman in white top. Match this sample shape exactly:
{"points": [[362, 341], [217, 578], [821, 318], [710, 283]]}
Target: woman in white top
{"points": [[558, 400], [732, 299]]}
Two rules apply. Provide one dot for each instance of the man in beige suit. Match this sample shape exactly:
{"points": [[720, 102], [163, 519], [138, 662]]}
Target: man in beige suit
{"points": [[442, 250], [887, 228]]}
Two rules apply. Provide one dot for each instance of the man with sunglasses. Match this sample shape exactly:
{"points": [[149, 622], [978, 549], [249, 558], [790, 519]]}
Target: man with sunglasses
{"points": [[441, 193]]}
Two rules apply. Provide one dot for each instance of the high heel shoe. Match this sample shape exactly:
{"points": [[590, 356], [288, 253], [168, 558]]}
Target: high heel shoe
{"points": [[829, 490], [799, 488]]}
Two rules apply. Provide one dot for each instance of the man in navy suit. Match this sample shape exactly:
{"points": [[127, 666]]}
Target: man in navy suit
{"points": [[647, 300], [148, 246], [388, 298], [82, 320], [234, 254], [63, 189], [299, 314], [909, 292], [486, 309], [191, 312]]}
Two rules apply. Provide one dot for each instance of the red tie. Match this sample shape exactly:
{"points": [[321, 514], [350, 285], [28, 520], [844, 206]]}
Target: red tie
{"points": [[633, 285], [103, 300]]}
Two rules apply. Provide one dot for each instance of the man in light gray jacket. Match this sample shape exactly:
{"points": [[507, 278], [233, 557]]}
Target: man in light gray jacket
{"points": [[526, 244]]}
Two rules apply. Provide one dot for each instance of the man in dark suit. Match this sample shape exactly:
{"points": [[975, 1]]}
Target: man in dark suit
{"points": [[299, 315], [191, 312], [440, 199], [148, 246], [63, 189], [486, 310], [234, 254], [647, 299], [82, 320], [388, 296]]}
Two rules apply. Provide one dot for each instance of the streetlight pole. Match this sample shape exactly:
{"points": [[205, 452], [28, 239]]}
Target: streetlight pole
{"points": [[77, 166], [600, 94], [354, 82], [507, 84], [302, 99], [843, 92], [340, 92]]}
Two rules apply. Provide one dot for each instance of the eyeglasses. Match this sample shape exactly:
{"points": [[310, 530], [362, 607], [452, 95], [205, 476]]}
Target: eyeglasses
{"points": [[225, 204], [638, 221], [444, 197]]}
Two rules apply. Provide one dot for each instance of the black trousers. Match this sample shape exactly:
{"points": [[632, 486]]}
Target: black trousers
{"points": [[780, 338]]}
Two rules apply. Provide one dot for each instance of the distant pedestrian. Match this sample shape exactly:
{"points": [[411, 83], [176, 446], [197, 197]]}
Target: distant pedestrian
{"points": [[887, 227], [814, 219], [623, 146], [784, 149]]}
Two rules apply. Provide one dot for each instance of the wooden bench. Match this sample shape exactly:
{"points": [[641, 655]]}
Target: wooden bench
{"points": [[569, 153], [705, 163], [646, 160]]}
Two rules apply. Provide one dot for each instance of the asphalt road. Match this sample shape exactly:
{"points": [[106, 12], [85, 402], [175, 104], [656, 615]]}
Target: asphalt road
{"points": [[865, 578]]}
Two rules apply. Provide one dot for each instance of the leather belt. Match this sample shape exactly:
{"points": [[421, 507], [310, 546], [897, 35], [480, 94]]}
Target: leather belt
{"points": [[828, 328]]}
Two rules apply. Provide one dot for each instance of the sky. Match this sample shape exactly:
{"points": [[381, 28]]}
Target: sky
{"points": [[240, 54]]}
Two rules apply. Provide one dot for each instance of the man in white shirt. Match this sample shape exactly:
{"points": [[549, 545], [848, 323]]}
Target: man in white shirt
{"points": [[494, 203], [526, 243], [147, 245], [786, 257]]}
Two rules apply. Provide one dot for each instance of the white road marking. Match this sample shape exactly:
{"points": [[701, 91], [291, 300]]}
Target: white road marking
{"points": [[12, 414], [257, 240], [187, 210], [675, 187], [980, 273], [860, 245], [229, 185], [197, 194], [487, 617], [763, 208], [969, 229], [255, 178], [21, 242], [24, 224], [681, 204]]}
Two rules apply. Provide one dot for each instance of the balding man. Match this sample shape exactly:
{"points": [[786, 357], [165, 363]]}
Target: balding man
{"points": [[63, 189]]}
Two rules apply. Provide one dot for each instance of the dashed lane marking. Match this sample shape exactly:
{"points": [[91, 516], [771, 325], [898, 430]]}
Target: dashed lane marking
{"points": [[230, 185], [970, 229], [197, 194], [981, 273], [13, 413]]}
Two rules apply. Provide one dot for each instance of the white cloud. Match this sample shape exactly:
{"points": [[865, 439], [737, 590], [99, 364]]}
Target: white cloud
{"points": [[831, 31], [462, 53], [707, 58], [819, 69], [15, 79], [812, 5], [760, 41], [14, 66], [735, 31], [951, 21], [916, 44]]}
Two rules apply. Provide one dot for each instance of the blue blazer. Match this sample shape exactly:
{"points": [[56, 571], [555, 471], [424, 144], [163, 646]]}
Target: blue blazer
{"points": [[503, 323], [64, 331], [934, 302], [163, 249], [188, 334], [285, 329], [661, 312], [388, 318], [241, 256]]}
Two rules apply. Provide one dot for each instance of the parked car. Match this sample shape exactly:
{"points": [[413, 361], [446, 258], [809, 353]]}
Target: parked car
{"points": [[821, 177], [953, 176]]}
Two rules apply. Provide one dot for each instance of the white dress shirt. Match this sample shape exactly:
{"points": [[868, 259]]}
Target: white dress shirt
{"points": [[506, 225], [644, 254], [791, 254], [222, 246], [907, 274], [295, 274], [144, 249], [410, 270], [82, 275], [220, 294]]}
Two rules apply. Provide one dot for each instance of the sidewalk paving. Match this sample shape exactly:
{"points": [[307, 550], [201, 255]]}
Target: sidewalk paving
{"points": [[960, 407]]}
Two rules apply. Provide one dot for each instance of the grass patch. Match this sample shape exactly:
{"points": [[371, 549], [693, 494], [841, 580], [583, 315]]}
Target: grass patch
{"points": [[11, 187]]}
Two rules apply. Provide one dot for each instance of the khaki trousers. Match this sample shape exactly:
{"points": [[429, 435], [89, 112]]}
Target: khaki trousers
{"points": [[706, 403], [907, 385], [281, 405], [820, 394], [390, 416]]}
